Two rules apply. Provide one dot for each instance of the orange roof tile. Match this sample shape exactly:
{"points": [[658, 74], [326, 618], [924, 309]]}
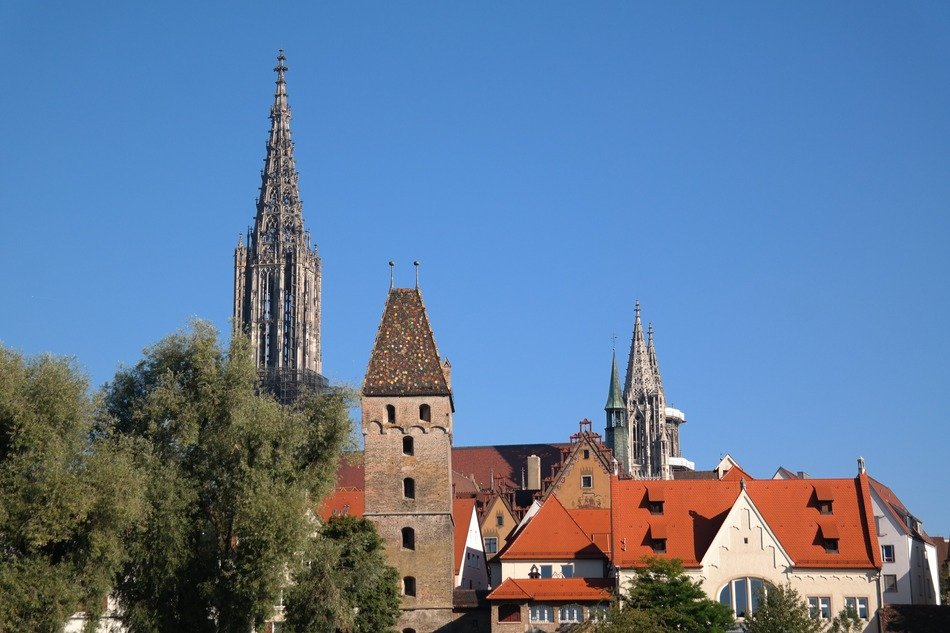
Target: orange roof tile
{"points": [[553, 533], [694, 511], [462, 515], [342, 502], [555, 589], [898, 510]]}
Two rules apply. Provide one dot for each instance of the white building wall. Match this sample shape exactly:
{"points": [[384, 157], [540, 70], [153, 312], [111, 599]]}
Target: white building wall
{"points": [[583, 568], [473, 570]]}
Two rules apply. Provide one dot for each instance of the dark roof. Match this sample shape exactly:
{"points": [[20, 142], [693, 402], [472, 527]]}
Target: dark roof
{"points": [[695, 474], [915, 618], [504, 462], [405, 360]]}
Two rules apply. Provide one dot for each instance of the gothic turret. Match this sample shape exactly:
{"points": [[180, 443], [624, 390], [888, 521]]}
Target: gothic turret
{"points": [[277, 275], [617, 435]]}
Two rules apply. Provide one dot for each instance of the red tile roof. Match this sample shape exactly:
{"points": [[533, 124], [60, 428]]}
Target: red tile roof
{"points": [[898, 510], [462, 515], [552, 533], [554, 589], [405, 360], [504, 462], [693, 512], [342, 502]]}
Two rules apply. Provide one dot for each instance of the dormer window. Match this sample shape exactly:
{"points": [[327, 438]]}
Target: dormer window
{"points": [[408, 445], [659, 545], [658, 537], [824, 507], [390, 414], [655, 499], [825, 496], [828, 534], [425, 413]]}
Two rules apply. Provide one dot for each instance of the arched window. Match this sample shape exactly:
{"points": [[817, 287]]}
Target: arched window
{"points": [[408, 586], [425, 413], [407, 445], [408, 631], [408, 538], [409, 488], [390, 414], [744, 595]]}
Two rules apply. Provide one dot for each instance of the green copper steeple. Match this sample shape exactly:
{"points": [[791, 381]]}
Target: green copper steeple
{"points": [[615, 395]]}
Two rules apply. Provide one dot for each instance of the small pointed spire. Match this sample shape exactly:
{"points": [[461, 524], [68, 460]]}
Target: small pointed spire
{"points": [[640, 374], [654, 363], [614, 394], [392, 274], [416, 264]]}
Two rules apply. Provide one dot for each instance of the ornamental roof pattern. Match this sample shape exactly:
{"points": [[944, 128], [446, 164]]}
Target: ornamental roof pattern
{"points": [[405, 360]]}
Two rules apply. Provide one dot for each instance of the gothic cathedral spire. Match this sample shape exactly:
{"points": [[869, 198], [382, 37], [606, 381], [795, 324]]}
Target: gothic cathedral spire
{"points": [[277, 275]]}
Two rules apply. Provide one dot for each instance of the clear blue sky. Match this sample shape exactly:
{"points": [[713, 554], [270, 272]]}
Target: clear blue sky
{"points": [[769, 179]]}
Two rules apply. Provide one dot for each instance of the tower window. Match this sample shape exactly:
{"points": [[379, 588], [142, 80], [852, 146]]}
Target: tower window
{"points": [[587, 481], [409, 586], [408, 538], [409, 488], [499, 519], [407, 445], [425, 413], [390, 414], [586, 453]]}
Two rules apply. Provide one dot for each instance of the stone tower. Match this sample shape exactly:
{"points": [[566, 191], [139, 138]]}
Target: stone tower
{"points": [[407, 429], [277, 275], [650, 444]]}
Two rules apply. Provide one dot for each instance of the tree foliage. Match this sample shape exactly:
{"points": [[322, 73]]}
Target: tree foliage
{"points": [[230, 477], [662, 598], [782, 610], [65, 500], [847, 621], [347, 587]]}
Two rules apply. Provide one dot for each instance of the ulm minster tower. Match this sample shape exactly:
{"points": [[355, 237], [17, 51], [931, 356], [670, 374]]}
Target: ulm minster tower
{"points": [[277, 276]]}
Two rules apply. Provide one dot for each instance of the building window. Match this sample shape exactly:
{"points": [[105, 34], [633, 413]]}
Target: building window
{"points": [[547, 571], [879, 523], [858, 605], [890, 583], [659, 545], [408, 447], [887, 553], [409, 586], [540, 613], [598, 612], [824, 507], [744, 594], [390, 414], [586, 454], [499, 519], [831, 545], [425, 413], [819, 607], [408, 631], [656, 507], [491, 544], [587, 481], [408, 538], [509, 613], [567, 571], [409, 488], [571, 613]]}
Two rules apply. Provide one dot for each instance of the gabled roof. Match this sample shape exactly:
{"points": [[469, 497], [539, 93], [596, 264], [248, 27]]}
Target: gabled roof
{"points": [[405, 360], [694, 512], [899, 511], [462, 512], [554, 589], [503, 463], [552, 533]]}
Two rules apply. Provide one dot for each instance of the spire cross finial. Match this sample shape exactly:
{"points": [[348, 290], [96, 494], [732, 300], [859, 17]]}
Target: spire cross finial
{"points": [[613, 338], [392, 274], [636, 307], [280, 68], [416, 264]]}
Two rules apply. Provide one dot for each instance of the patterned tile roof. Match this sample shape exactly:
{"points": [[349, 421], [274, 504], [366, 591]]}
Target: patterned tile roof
{"points": [[555, 589], [694, 511], [405, 360]]}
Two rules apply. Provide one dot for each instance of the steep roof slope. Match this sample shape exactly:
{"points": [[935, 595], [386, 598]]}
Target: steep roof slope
{"points": [[462, 510], [405, 359], [899, 511], [550, 535]]}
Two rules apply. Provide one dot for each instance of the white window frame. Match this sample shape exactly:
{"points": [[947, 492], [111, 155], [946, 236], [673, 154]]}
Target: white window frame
{"points": [[587, 481], [571, 614], [893, 587], [885, 557], [541, 614], [819, 607], [860, 604]]}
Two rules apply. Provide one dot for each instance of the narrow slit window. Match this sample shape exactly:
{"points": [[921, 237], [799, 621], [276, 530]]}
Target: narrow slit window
{"points": [[408, 447], [390, 414], [408, 538], [409, 488], [409, 586], [425, 413]]}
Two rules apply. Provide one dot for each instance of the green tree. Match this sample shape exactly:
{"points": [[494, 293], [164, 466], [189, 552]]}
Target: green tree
{"points": [[662, 598], [847, 621], [782, 610], [347, 586], [65, 497], [231, 475]]}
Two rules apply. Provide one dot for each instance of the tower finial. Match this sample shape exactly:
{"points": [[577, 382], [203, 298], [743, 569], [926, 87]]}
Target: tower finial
{"points": [[392, 274], [416, 264]]}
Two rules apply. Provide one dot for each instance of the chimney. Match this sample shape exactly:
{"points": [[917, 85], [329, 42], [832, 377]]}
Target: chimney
{"points": [[861, 468], [534, 472]]}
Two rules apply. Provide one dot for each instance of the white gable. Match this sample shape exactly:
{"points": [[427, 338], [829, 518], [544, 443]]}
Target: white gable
{"points": [[746, 542]]}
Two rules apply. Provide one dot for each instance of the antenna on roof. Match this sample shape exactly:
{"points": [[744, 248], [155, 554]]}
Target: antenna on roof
{"points": [[392, 274], [416, 264]]}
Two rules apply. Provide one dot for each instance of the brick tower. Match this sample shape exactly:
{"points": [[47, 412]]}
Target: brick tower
{"points": [[407, 429], [277, 276]]}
